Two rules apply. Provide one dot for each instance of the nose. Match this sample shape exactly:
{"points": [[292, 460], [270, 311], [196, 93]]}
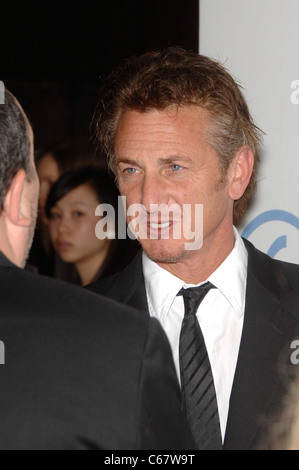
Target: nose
{"points": [[64, 225], [153, 192]]}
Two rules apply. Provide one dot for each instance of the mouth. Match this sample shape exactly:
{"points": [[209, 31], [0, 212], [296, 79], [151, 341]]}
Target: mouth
{"points": [[63, 246], [156, 227], [160, 226], [160, 230]]}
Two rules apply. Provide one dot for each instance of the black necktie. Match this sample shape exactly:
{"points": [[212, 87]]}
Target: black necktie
{"points": [[199, 396]]}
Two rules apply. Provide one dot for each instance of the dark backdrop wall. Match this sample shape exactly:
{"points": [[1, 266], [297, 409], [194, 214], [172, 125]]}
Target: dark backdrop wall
{"points": [[53, 55]]}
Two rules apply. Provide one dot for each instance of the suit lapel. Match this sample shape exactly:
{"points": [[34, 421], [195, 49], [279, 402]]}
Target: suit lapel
{"points": [[268, 328]]}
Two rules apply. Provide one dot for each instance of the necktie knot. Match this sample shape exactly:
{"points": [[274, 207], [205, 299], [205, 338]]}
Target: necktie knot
{"points": [[193, 297]]}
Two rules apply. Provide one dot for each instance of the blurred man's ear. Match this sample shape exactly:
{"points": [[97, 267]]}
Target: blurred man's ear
{"points": [[13, 203]]}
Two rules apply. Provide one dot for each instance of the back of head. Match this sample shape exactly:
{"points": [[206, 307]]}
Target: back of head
{"points": [[175, 77], [14, 143]]}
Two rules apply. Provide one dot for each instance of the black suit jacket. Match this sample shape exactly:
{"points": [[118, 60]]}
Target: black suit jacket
{"points": [[271, 322], [82, 372]]}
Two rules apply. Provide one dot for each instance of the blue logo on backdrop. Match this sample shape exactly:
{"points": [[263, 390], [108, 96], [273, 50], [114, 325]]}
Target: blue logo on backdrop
{"points": [[272, 216]]}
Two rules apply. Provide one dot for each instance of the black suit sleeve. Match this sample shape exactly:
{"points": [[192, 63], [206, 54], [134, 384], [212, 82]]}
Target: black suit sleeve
{"points": [[162, 423]]}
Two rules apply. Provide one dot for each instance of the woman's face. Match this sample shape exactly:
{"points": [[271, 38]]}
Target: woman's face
{"points": [[48, 173], [72, 226]]}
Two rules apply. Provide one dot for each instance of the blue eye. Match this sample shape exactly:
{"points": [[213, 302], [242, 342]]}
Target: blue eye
{"points": [[176, 167], [131, 171]]}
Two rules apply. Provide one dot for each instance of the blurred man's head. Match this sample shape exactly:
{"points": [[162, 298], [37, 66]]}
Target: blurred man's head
{"points": [[19, 184]]}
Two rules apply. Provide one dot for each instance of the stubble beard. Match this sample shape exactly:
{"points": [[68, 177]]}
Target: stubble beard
{"points": [[163, 257]]}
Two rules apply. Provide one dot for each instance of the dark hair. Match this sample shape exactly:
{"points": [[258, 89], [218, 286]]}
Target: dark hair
{"points": [[14, 144], [99, 180], [175, 77]]}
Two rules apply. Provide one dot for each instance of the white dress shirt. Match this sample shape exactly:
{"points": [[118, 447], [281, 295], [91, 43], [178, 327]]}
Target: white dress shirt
{"points": [[220, 316]]}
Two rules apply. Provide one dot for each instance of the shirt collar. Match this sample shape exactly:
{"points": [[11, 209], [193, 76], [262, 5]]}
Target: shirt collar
{"points": [[230, 279], [162, 287], [231, 276]]}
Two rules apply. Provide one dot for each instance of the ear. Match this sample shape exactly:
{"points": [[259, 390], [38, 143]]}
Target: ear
{"points": [[14, 199], [240, 172]]}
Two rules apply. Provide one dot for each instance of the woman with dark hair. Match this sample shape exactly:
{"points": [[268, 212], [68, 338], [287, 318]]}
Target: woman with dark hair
{"points": [[51, 163], [71, 208]]}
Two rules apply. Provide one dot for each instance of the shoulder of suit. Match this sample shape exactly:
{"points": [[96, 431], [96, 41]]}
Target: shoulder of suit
{"points": [[281, 277], [261, 259], [59, 299]]}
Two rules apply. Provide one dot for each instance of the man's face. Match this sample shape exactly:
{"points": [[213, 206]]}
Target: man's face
{"points": [[162, 157]]}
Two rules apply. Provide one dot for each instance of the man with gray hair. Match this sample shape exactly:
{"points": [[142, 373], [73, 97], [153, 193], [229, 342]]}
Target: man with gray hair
{"points": [[177, 131]]}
